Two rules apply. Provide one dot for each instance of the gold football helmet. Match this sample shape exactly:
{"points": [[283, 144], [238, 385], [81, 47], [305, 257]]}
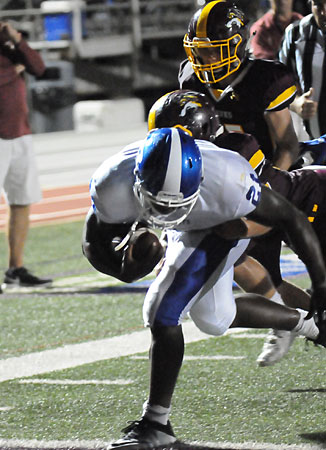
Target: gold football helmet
{"points": [[216, 40]]}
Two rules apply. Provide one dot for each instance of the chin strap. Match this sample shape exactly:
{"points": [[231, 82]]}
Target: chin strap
{"points": [[127, 237]]}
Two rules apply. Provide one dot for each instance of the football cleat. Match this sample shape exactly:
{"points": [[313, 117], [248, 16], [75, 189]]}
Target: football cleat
{"points": [[145, 434], [276, 346], [321, 324]]}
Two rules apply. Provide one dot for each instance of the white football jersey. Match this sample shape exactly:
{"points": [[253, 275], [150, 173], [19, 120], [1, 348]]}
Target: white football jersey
{"points": [[229, 190]]}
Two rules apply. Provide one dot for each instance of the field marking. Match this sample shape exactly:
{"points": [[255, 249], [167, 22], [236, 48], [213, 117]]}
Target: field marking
{"points": [[68, 202], [59, 214], [20, 444], [94, 279], [69, 213], [66, 198], [75, 382], [256, 446], [250, 335], [75, 355], [199, 358], [55, 199]]}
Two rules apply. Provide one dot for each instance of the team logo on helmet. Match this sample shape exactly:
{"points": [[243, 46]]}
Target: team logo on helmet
{"points": [[191, 110]]}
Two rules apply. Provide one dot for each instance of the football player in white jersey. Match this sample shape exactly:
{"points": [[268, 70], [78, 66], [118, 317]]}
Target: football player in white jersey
{"points": [[190, 188]]}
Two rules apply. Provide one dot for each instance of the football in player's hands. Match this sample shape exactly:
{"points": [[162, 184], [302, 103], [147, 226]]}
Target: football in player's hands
{"points": [[144, 244]]}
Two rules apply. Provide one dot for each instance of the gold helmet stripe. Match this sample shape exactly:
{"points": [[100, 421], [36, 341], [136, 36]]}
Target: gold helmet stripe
{"points": [[201, 28], [151, 120]]}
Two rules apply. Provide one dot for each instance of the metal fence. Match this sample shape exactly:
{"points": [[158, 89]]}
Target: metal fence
{"points": [[132, 21]]}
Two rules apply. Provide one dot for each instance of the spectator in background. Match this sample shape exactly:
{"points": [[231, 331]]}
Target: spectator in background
{"points": [[251, 8], [302, 7], [18, 171], [268, 31], [303, 51]]}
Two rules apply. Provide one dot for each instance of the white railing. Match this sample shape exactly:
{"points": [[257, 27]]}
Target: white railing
{"points": [[132, 21]]}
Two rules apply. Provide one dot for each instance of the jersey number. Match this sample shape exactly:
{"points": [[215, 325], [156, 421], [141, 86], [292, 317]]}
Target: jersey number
{"points": [[254, 192]]}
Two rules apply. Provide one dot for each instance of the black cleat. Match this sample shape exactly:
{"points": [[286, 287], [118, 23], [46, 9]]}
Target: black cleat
{"points": [[320, 321], [22, 277], [144, 434], [321, 324]]}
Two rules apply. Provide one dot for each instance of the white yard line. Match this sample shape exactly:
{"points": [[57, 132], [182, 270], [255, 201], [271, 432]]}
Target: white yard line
{"points": [[199, 358], [256, 446], [118, 382], [88, 352], [20, 444], [251, 335]]}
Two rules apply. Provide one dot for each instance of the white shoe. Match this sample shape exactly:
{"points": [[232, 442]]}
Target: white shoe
{"points": [[277, 344]]}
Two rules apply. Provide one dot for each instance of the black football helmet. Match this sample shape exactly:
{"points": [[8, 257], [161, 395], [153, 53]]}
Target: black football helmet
{"points": [[188, 109], [216, 42]]}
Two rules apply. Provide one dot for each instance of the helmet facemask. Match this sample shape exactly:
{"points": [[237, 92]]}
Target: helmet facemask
{"points": [[216, 42], [222, 53], [163, 210]]}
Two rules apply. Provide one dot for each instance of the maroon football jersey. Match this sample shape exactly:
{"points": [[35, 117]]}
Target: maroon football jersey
{"points": [[262, 86], [302, 187]]}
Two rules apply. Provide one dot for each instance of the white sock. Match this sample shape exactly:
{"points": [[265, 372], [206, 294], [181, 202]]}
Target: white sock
{"points": [[306, 328], [156, 413], [277, 298]]}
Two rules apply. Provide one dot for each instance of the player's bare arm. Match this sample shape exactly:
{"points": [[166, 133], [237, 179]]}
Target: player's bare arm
{"points": [[134, 260], [275, 211], [285, 140]]}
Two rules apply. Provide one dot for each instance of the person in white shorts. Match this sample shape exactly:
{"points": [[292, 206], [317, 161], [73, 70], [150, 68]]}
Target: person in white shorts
{"points": [[195, 191], [18, 172]]}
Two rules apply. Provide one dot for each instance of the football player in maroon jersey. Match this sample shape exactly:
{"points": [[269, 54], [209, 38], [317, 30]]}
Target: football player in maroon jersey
{"points": [[305, 188], [250, 95]]}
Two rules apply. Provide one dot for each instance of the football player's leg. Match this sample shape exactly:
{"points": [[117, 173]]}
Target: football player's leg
{"points": [[255, 311], [215, 311], [257, 278], [251, 276], [193, 264], [190, 261], [319, 224], [193, 261], [294, 296]]}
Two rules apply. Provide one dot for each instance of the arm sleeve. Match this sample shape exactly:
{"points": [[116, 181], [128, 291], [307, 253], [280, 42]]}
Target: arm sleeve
{"points": [[30, 59], [282, 89]]}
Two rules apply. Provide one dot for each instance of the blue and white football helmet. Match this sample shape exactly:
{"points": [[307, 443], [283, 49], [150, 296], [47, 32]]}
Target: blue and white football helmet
{"points": [[168, 175]]}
